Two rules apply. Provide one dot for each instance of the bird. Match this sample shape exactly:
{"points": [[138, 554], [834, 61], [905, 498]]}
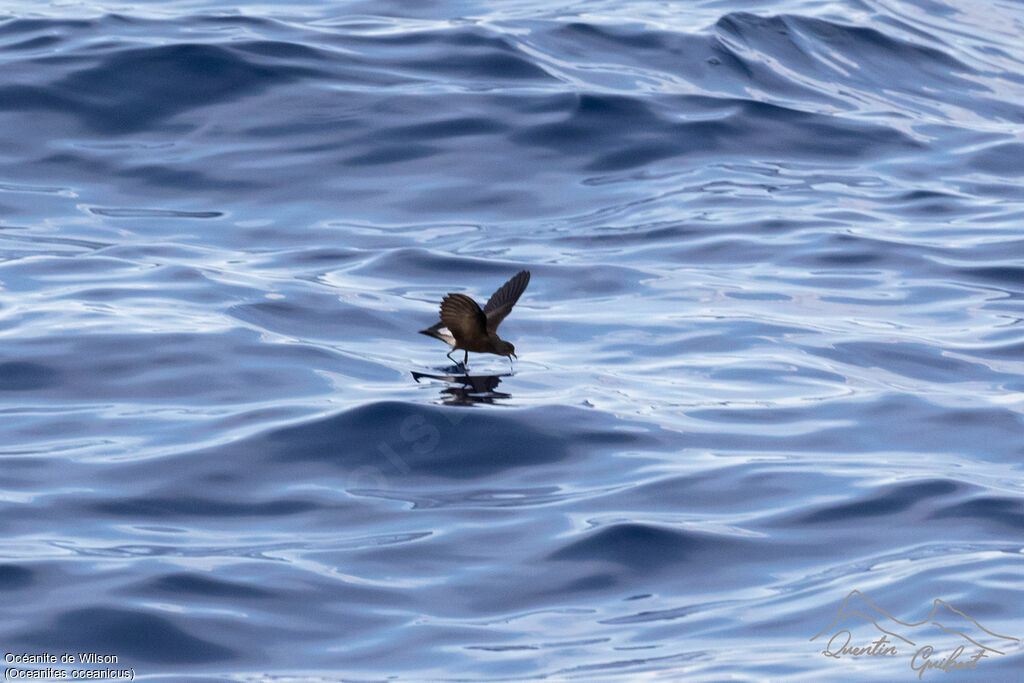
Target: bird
{"points": [[465, 326]]}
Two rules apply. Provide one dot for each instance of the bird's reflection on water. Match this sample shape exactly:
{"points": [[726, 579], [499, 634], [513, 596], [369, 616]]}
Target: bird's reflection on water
{"points": [[464, 389]]}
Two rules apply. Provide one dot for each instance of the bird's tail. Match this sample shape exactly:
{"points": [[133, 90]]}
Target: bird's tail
{"points": [[435, 332], [432, 331]]}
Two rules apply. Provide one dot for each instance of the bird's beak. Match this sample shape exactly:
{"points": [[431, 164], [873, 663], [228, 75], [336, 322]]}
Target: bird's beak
{"points": [[512, 353]]}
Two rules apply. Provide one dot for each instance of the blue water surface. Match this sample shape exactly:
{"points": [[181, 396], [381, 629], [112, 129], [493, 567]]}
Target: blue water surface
{"points": [[772, 350]]}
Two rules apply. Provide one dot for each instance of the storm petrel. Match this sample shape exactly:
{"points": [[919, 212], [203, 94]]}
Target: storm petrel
{"points": [[464, 326]]}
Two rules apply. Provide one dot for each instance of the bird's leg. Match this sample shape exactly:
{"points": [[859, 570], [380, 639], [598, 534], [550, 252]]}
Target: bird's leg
{"points": [[510, 368], [465, 360], [449, 354]]}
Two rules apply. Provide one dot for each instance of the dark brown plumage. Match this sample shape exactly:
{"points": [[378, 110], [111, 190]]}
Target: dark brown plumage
{"points": [[465, 326]]}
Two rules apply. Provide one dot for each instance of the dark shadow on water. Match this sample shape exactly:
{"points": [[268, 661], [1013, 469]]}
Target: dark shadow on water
{"points": [[465, 389]]}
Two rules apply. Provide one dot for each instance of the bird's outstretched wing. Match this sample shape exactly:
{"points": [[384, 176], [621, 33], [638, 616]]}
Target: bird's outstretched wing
{"points": [[463, 318], [501, 302]]}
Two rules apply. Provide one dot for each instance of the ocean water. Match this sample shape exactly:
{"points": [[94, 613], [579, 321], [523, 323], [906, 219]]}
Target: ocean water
{"points": [[772, 351]]}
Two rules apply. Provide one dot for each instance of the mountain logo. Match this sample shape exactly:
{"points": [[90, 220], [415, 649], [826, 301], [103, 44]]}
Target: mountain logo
{"points": [[895, 635]]}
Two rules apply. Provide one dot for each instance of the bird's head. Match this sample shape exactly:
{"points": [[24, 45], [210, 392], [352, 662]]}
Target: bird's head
{"points": [[506, 349]]}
